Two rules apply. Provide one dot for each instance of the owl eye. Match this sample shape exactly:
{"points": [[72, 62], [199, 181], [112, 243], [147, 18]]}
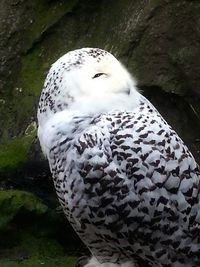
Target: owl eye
{"points": [[97, 75]]}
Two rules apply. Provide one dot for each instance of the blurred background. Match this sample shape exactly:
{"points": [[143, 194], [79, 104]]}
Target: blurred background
{"points": [[158, 41]]}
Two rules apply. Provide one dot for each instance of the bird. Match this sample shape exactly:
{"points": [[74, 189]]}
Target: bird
{"points": [[127, 183]]}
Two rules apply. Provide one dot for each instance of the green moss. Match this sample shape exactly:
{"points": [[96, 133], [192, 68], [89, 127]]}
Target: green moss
{"points": [[45, 251], [33, 252], [13, 201], [22, 98], [36, 62], [13, 153], [35, 262], [29, 233], [31, 76], [62, 261]]}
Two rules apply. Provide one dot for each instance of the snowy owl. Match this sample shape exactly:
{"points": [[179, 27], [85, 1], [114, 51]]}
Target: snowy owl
{"points": [[127, 183]]}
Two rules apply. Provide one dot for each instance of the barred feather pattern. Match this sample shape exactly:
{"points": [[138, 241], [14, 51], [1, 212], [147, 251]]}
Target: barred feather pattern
{"points": [[129, 186]]}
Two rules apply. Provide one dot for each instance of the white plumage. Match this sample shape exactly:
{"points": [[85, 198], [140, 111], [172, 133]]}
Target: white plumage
{"points": [[127, 183]]}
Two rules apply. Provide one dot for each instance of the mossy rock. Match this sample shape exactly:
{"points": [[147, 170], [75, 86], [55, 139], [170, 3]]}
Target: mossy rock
{"points": [[13, 201], [33, 234], [34, 252], [13, 152]]}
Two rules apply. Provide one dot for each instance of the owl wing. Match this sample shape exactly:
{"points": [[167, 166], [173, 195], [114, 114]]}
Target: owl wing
{"points": [[128, 185]]}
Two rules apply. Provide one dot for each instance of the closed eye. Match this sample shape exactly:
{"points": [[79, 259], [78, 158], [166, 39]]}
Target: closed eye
{"points": [[98, 75]]}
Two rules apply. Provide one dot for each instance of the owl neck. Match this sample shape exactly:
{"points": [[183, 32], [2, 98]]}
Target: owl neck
{"points": [[92, 105], [105, 103]]}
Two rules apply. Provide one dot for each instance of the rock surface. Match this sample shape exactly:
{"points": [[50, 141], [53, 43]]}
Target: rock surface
{"points": [[157, 40], [32, 233]]}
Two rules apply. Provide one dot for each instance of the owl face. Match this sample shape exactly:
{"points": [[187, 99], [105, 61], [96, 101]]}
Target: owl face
{"points": [[90, 72], [83, 78]]}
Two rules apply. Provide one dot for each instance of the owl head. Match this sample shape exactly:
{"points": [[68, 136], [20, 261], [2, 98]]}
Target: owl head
{"points": [[87, 80]]}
